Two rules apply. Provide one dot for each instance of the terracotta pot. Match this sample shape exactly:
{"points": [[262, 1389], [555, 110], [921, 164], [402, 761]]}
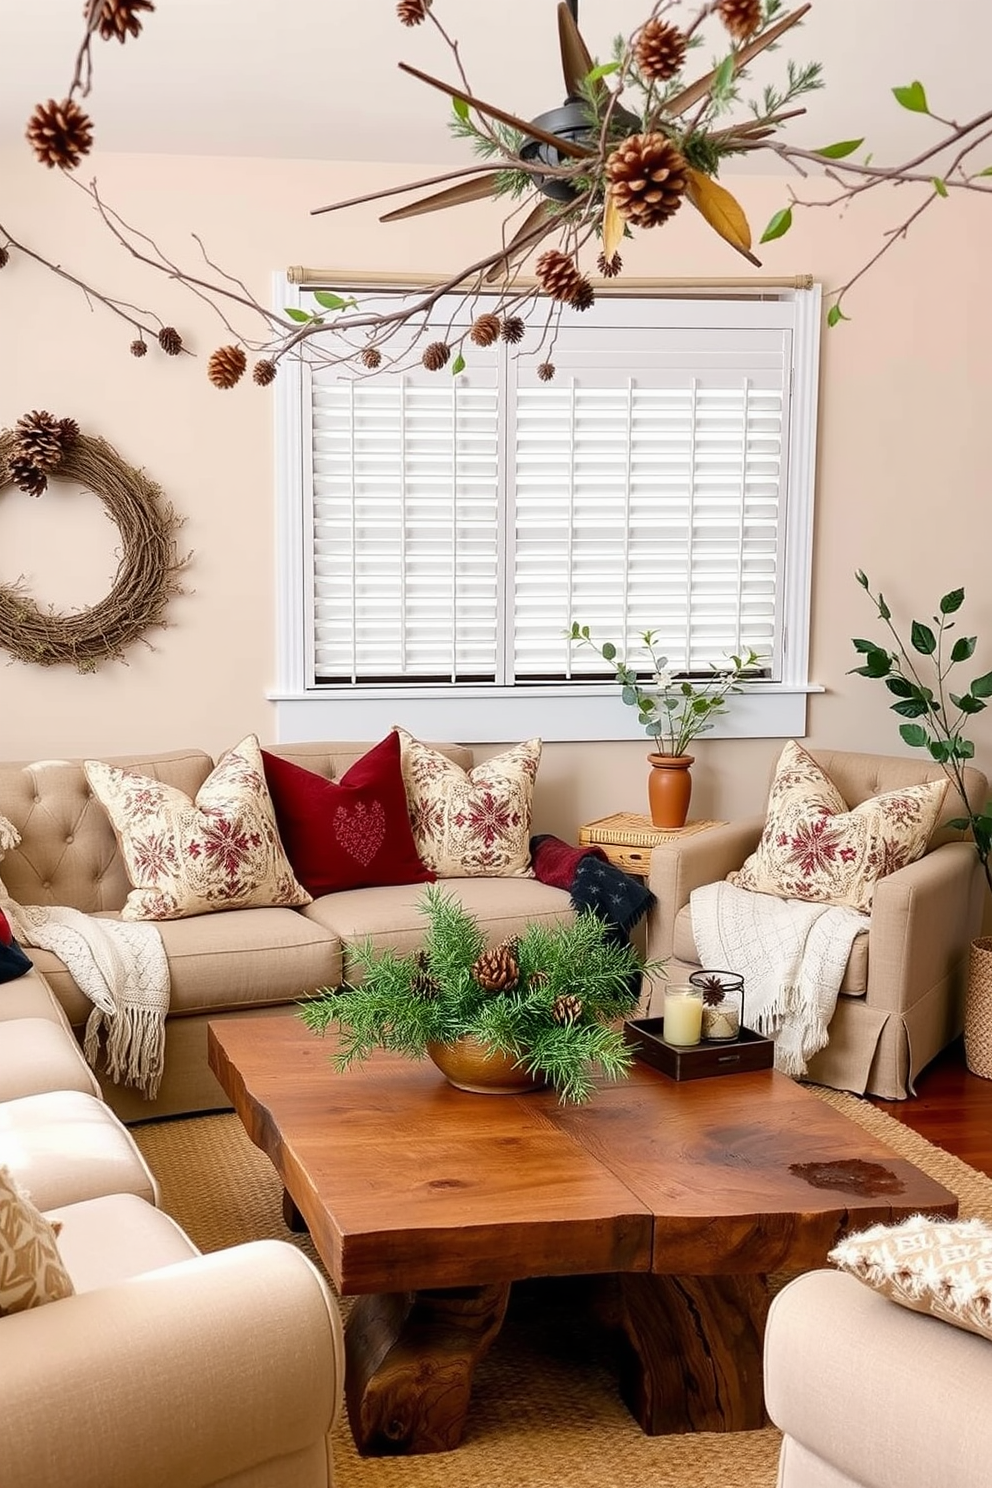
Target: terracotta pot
{"points": [[669, 788], [470, 1065]]}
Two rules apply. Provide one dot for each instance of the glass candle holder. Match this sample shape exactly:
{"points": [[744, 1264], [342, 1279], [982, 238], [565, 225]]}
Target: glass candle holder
{"points": [[683, 1015], [723, 1004]]}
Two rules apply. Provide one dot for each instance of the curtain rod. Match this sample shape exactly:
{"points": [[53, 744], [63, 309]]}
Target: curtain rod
{"points": [[353, 279]]}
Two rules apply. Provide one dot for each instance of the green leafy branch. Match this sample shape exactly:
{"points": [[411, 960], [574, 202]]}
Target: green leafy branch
{"points": [[936, 715]]}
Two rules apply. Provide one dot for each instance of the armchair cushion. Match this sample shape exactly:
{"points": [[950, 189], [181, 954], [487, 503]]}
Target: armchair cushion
{"points": [[31, 1269], [813, 847]]}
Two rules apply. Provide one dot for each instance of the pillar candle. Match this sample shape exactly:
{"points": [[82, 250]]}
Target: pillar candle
{"points": [[683, 1015]]}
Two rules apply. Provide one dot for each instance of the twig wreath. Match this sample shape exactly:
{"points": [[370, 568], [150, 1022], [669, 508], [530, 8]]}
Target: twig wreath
{"points": [[146, 578]]}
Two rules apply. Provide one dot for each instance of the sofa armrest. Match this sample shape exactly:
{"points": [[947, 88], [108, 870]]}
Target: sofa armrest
{"points": [[679, 867], [187, 1375], [923, 918]]}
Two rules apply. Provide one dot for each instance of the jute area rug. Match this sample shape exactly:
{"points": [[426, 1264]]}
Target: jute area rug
{"points": [[545, 1409]]}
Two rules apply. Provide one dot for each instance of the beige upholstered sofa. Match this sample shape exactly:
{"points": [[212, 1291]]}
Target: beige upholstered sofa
{"points": [[247, 962], [901, 1000], [164, 1367], [871, 1395]]}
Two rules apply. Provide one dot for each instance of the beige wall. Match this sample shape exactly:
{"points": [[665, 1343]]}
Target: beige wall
{"points": [[903, 489]]}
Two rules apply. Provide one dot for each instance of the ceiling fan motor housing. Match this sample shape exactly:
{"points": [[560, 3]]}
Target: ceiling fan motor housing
{"points": [[570, 122]]}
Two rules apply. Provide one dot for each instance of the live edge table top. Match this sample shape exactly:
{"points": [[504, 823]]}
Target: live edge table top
{"points": [[406, 1182]]}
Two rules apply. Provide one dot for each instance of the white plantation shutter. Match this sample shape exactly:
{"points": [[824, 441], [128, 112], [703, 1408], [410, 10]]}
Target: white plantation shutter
{"points": [[458, 525]]}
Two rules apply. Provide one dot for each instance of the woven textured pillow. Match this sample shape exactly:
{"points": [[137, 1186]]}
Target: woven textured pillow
{"points": [[814, 847], [31, 1269], [474, 823], [221, 851], [941, 1267]]}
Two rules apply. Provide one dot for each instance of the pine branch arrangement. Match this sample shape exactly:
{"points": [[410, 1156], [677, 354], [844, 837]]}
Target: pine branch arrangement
{"points": [[551, 998]]}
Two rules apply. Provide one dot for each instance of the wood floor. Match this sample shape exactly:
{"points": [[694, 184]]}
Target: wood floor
{"points": [[952, 1109]]}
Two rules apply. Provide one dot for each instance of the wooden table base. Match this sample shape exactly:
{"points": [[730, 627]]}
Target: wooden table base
{"points": [[694, 1352], [411, 1357]]}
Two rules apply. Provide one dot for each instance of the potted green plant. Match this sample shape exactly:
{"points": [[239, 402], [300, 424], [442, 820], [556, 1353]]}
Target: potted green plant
{"points": [[541, 1008], [672, 710]]}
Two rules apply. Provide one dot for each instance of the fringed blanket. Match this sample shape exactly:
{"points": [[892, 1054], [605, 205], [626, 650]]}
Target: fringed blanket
{"points": [[791, 955]]}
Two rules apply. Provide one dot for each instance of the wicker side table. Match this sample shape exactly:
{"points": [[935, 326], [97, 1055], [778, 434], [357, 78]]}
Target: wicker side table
{"points": [[627, 839]]}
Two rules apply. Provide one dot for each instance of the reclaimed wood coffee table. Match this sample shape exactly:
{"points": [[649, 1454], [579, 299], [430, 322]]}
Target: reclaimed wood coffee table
{"points": [[426, 1203]]}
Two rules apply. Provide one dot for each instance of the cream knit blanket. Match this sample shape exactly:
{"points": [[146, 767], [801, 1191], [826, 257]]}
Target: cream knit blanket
{"points": [[792, 956]]}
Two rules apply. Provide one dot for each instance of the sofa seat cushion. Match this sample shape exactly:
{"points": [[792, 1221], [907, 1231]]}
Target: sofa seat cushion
{"points": [[106, 1240], [65, 1145], [230, 959], [31, 997], [391, 917], [37, 1055], [855, 981]]}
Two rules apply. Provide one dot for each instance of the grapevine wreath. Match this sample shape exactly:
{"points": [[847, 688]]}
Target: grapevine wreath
{"points": [[41, 446]]}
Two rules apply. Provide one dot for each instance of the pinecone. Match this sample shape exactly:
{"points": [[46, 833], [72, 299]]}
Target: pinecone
{"points": [[372, 357], [26, 475], [537, 979], [68, 433], [412, 12], [558, 274], [38, 440], [119, 18], [647, 176], [4, 257], [513, 329], [60, 133], [609, 267], [584, 297], [659, 50], [264, 372], [422, 984], [546, 371], [485, 330], [497, 970], [566, 1009], [741, 17], [170, 340], [139, 348], [226, 366], [436, 356]]}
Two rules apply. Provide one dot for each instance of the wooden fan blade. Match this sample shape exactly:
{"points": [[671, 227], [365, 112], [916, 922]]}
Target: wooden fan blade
{"points": [[454, 196], [524, 238], [566, 147], [702, 86], [576, 63]]}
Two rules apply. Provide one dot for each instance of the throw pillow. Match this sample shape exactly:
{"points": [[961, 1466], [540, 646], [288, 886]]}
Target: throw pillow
{"points": [[813, 847], [183, 857], [351, 833], [13, 961], [31, 1269], [942, 1267], [474, 823]]}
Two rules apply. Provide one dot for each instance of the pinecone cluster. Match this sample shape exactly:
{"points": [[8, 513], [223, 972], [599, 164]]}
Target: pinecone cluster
{"points": [[546, 371], [647, 177], [566, 1009], [560, 277], [609, 267], [170, 340], [424, 983], [485, 329], [139, 347], [498, 970], [659, 50], [371, 358], [40, 442], [436, 356], [4, 257], [226, 366], [117, 19], [264, 372], [513, 330], [412, 12], [741, 17], [60, 133]]}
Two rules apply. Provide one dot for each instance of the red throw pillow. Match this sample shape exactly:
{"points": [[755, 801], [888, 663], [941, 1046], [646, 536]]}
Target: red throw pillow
{"points": [[352, 833]]}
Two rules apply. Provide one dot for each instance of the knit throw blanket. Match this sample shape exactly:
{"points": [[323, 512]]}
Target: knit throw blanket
{"points": [[123, 970], [792, 956]]}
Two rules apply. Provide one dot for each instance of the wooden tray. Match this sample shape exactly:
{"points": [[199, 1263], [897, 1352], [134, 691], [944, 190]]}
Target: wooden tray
{"points": [[694, 1062]]}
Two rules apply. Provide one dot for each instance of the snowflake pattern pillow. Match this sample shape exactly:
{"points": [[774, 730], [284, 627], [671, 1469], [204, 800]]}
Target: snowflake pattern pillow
{"points": [[942, 1267], [183, 857], [474, 823], [31, 1269], [813, 847]]}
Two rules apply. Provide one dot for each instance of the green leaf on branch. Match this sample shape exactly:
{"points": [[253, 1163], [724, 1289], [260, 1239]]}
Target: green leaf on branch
{"points": [[913, 97], [968, 704], [778, 226], [878, 663], [601, 70], [458, 365], [884, 612], [964, 647], [628, 695], [939, 186], [913, 735], [910, 708], [609, 650], [300, 316], [923, 638], [724, 76], [952, 602], [838, 151], [901, 687], [331, 301], [460, 107], [863, 646], [982, 686], [835, 315], [862, 578], [940, 749], [962, 748]]}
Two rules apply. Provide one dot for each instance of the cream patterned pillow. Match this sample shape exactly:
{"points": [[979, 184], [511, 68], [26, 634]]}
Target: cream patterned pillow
{"points": [[221, 851], [813, 847], [475, 823], [942, 1267], [31, 1269]]}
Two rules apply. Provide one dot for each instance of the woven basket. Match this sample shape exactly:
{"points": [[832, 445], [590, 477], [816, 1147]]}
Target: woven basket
{"points": [[978, 1009]]}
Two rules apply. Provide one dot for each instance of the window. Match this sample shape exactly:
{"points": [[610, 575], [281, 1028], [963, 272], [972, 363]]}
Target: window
{"points": [[440, 533]]}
